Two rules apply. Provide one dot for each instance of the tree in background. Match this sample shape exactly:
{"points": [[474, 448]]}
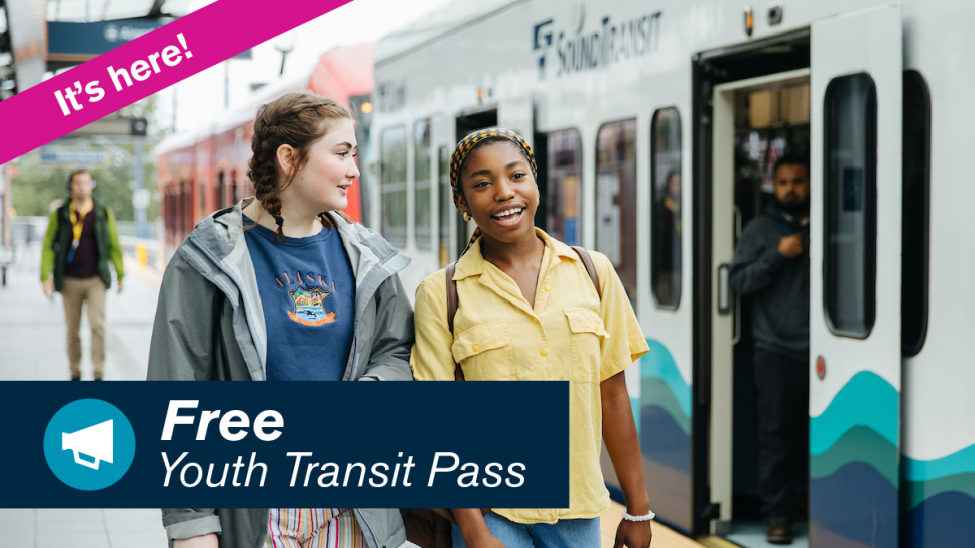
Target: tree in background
{"points": [[39, 185]]}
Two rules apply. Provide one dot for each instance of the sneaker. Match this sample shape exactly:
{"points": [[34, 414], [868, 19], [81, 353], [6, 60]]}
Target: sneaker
{"points": [[76, 377], [779, 530]]}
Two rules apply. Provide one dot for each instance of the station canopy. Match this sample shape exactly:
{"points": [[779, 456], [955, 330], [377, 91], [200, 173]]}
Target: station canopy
{"points": [[82, 11]]}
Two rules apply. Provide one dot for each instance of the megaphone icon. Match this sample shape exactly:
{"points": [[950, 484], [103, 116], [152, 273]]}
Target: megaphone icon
{"points": [[95, 441]]}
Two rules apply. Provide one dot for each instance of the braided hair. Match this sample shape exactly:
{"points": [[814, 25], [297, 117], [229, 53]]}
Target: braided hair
{"points": [[298, 119]]}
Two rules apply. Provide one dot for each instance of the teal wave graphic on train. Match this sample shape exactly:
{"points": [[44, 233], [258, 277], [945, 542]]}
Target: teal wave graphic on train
{"points": [[938, 500], [853, 497], [664, 425]]}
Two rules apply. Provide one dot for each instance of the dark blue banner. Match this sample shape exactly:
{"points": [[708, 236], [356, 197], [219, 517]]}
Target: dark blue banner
{"points": [[75, 41], [284, 444]]}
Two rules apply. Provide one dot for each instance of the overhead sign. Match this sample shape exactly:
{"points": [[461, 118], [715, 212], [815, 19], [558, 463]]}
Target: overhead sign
{"points": [[74, 157], [79, 42], [113, 125]]}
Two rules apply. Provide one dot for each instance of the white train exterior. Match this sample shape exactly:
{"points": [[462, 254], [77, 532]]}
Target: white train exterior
{"points": [[623, 100]]}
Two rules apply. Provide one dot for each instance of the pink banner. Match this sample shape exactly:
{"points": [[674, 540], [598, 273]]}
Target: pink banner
{"points": [[131, 72]]}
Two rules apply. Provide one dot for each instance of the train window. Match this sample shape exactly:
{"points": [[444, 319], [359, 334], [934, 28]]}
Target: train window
{"points": [[564, 189], [616, 199], [850, 175], [393, 185], [201, 193], [665, 212], [916, 142], [446, 205], [234, 188], [422, 177], [186, 211], [221, 189]]}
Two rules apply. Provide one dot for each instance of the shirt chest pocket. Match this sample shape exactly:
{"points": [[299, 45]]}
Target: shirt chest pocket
{"points": [[484, 352], [587, 335]]}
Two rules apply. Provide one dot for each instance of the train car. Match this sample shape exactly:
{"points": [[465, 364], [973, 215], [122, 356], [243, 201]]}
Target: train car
{"points": [[205, 169], [656, 124]]}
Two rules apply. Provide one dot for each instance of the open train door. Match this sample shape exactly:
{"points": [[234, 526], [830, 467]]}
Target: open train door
{"points": [[443, 141], [855, 284]]}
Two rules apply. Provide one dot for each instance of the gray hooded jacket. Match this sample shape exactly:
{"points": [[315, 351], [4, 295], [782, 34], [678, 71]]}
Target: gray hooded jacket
{"points": [[210, 326]]}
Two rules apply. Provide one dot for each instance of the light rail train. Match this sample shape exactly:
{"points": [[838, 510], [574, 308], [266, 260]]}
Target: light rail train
{"points": [[204, 169], [655, 125]]}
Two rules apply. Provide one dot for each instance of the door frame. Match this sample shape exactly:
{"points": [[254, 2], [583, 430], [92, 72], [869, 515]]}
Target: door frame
{"points": [[725, 314], [709, 69]]}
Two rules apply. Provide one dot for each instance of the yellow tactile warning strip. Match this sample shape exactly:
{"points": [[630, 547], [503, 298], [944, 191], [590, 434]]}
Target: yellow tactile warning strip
{"points": [[663, 536]]}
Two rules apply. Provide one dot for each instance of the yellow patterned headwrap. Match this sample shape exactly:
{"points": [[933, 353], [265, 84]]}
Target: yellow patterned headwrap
{"points": [[466, 145]]}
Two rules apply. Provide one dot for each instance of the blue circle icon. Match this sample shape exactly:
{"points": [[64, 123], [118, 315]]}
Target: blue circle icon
{"points": [[89, 444]]}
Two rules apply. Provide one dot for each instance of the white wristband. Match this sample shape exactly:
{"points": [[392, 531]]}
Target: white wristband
{"points": [[648, 517]]}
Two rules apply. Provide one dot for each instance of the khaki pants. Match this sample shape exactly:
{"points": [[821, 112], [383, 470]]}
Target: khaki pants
{"points": [[75, 291]]}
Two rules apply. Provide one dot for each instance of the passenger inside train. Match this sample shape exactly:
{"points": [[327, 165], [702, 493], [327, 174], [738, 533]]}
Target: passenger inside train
{"points": [[770, 272], [771, 267]]}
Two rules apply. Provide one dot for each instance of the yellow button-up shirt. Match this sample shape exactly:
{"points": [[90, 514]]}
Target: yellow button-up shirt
{"points": [[570, 335]]}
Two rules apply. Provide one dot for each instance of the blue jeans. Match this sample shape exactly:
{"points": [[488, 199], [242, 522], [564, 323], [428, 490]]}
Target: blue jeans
{"points": [[566, 533]]}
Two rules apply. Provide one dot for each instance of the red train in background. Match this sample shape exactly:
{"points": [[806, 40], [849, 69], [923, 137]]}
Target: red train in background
{"points": [[203, 170]]}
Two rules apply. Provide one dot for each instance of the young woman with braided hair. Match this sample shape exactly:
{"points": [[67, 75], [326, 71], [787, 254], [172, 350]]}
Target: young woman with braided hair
{"points": [[530, 307], [268, 290]]}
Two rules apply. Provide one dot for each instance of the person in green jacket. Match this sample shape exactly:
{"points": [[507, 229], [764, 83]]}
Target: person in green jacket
{"points": [[81, 238]]}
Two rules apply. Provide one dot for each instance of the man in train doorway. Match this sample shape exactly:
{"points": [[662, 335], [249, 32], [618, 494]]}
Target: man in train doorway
{"points": [[81, 238], [771, 266]]}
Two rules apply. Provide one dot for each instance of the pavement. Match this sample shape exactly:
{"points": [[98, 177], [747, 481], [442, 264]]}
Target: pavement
{"points": [[32, 327], [33, 347]]}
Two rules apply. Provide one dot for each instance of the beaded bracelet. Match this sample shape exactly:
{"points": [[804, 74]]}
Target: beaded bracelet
{"points": [[648, 517]]}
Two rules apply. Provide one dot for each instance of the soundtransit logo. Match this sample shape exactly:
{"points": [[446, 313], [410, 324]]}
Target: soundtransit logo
{"points": [[89, 444]]}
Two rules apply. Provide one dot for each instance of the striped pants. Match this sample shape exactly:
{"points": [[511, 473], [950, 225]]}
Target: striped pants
{"points": [[313, 528]]}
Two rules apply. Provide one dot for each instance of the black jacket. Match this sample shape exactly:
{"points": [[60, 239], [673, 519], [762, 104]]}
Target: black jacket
{"points": [[778, 287]]}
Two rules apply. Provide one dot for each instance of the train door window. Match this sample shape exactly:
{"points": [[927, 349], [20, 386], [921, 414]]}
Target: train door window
{"points": [[616, 199], [423, 179], [393, 185], [445, 205], [916, 210], [850, 175], [564, 186], [665, 216]]}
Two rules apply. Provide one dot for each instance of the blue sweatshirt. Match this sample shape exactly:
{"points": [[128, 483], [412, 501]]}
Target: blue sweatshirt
{"points": [[308, 294]]}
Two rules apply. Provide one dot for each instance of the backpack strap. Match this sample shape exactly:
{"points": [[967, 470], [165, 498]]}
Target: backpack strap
{"points": [[452, 311], [451, 296], [590, 268]]}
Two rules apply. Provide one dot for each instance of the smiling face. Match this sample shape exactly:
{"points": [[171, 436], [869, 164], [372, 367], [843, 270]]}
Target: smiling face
{"points": [[499, 192], [322, 182]]}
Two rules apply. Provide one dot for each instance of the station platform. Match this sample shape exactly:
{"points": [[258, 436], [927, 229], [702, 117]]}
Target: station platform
{"points": [[32, 336], [32, 328]]}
